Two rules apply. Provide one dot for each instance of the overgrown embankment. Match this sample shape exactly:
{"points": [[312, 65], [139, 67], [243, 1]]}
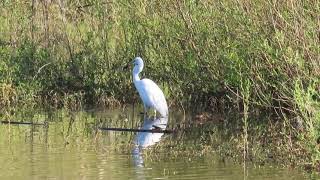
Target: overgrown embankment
{"points": [[260, 58]]}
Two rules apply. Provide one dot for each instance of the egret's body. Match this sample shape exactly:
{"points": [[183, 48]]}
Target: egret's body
{"points": [[149, 92]]}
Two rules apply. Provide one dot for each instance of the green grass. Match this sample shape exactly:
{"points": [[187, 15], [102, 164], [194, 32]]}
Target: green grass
{"points": [[259, 58]]}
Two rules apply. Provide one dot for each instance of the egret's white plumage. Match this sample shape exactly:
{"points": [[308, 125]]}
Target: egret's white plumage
{"points": [[149, 92]]}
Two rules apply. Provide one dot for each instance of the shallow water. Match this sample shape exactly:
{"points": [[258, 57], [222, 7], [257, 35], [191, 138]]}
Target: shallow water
{"points": [[71, 147]]}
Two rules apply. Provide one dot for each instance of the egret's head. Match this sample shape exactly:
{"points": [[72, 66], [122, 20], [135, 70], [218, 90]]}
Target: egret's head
{"points": [[137, 65]]}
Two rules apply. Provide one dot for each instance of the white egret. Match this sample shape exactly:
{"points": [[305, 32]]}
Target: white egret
{"points": [[150, 93]]}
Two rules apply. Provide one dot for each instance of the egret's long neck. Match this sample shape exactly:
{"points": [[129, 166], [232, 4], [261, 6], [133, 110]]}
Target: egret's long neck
{"points": [[135, 76], [135, 73]]}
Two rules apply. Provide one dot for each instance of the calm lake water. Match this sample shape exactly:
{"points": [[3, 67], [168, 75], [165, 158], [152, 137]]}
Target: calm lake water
{"points": [[71, 147]]}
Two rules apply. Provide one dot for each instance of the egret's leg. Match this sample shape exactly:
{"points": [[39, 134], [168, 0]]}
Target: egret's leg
{"points": [[145, 113], [155, 114]]}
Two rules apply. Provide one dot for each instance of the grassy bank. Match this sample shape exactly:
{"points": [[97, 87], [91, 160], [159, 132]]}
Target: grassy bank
{"points": [[259, 59]]}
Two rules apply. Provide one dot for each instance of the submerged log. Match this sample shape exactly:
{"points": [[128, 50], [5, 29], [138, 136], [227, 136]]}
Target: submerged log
{"points": [[156, 130], [21, 123]]}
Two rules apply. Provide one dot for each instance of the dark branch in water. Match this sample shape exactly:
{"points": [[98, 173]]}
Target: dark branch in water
{"points": [[137, 130], [21, 123]]}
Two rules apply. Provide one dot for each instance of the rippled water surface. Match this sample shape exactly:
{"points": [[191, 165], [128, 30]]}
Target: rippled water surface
{"points": [[71, 147]]}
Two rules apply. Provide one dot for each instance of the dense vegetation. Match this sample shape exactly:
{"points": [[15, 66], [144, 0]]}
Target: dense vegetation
{"points": [[261, 58]]}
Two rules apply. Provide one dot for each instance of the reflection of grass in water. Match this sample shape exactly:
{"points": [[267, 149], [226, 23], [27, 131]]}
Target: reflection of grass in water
{"points": [[74, 128], [67, 128], [268, 146], [78, 129]]}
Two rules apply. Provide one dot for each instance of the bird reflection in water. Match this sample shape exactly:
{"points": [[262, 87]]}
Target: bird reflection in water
{"points": [[147, 139]]}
